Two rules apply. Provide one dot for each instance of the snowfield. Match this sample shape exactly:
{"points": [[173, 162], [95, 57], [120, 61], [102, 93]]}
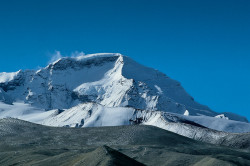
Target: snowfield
{"points": [[109, 89]]}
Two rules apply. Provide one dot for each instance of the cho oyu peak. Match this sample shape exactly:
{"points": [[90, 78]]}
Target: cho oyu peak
{"points": [[108, 79]]}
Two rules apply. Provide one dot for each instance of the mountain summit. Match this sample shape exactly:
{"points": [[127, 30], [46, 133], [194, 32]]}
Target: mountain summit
{"points": [[112, 80], [105, 89]]}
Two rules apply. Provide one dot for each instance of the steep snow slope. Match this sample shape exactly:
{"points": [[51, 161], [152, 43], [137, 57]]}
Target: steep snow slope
{"points": [[4, 97], [94, 115], [104, 90], [90, 115], [167, 94], [109, 79], [6, 77]]}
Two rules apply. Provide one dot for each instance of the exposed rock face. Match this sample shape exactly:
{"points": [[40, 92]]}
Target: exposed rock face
{"points": [[107, 90], [109, 79]]}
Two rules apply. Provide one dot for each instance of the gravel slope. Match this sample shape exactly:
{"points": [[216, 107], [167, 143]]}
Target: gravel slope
{"points": [[25, 143]]}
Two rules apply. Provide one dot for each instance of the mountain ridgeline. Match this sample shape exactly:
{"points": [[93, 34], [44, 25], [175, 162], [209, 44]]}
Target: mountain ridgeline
{"points": [[109, 89], [111, 80]]}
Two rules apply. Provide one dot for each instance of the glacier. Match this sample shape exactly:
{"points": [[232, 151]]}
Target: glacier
{"points": [[109, 89]]}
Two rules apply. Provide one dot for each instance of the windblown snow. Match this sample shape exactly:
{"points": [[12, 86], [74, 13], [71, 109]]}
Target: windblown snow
{"points": [[107, 89]]}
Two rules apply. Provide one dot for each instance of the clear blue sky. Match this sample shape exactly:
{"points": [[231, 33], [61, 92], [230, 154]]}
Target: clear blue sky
{"points": [[204, 44]]}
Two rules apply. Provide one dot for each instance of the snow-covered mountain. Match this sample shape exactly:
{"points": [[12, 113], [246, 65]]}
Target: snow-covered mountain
{"points": [[104, 90], [109, 79]]}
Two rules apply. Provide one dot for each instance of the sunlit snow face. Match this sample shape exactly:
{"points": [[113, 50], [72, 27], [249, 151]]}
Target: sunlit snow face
{"points": [[103, 90]]}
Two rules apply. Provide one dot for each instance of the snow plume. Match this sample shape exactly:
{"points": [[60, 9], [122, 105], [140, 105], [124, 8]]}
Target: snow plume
{"points": [[55, 56], [77, 54]]}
